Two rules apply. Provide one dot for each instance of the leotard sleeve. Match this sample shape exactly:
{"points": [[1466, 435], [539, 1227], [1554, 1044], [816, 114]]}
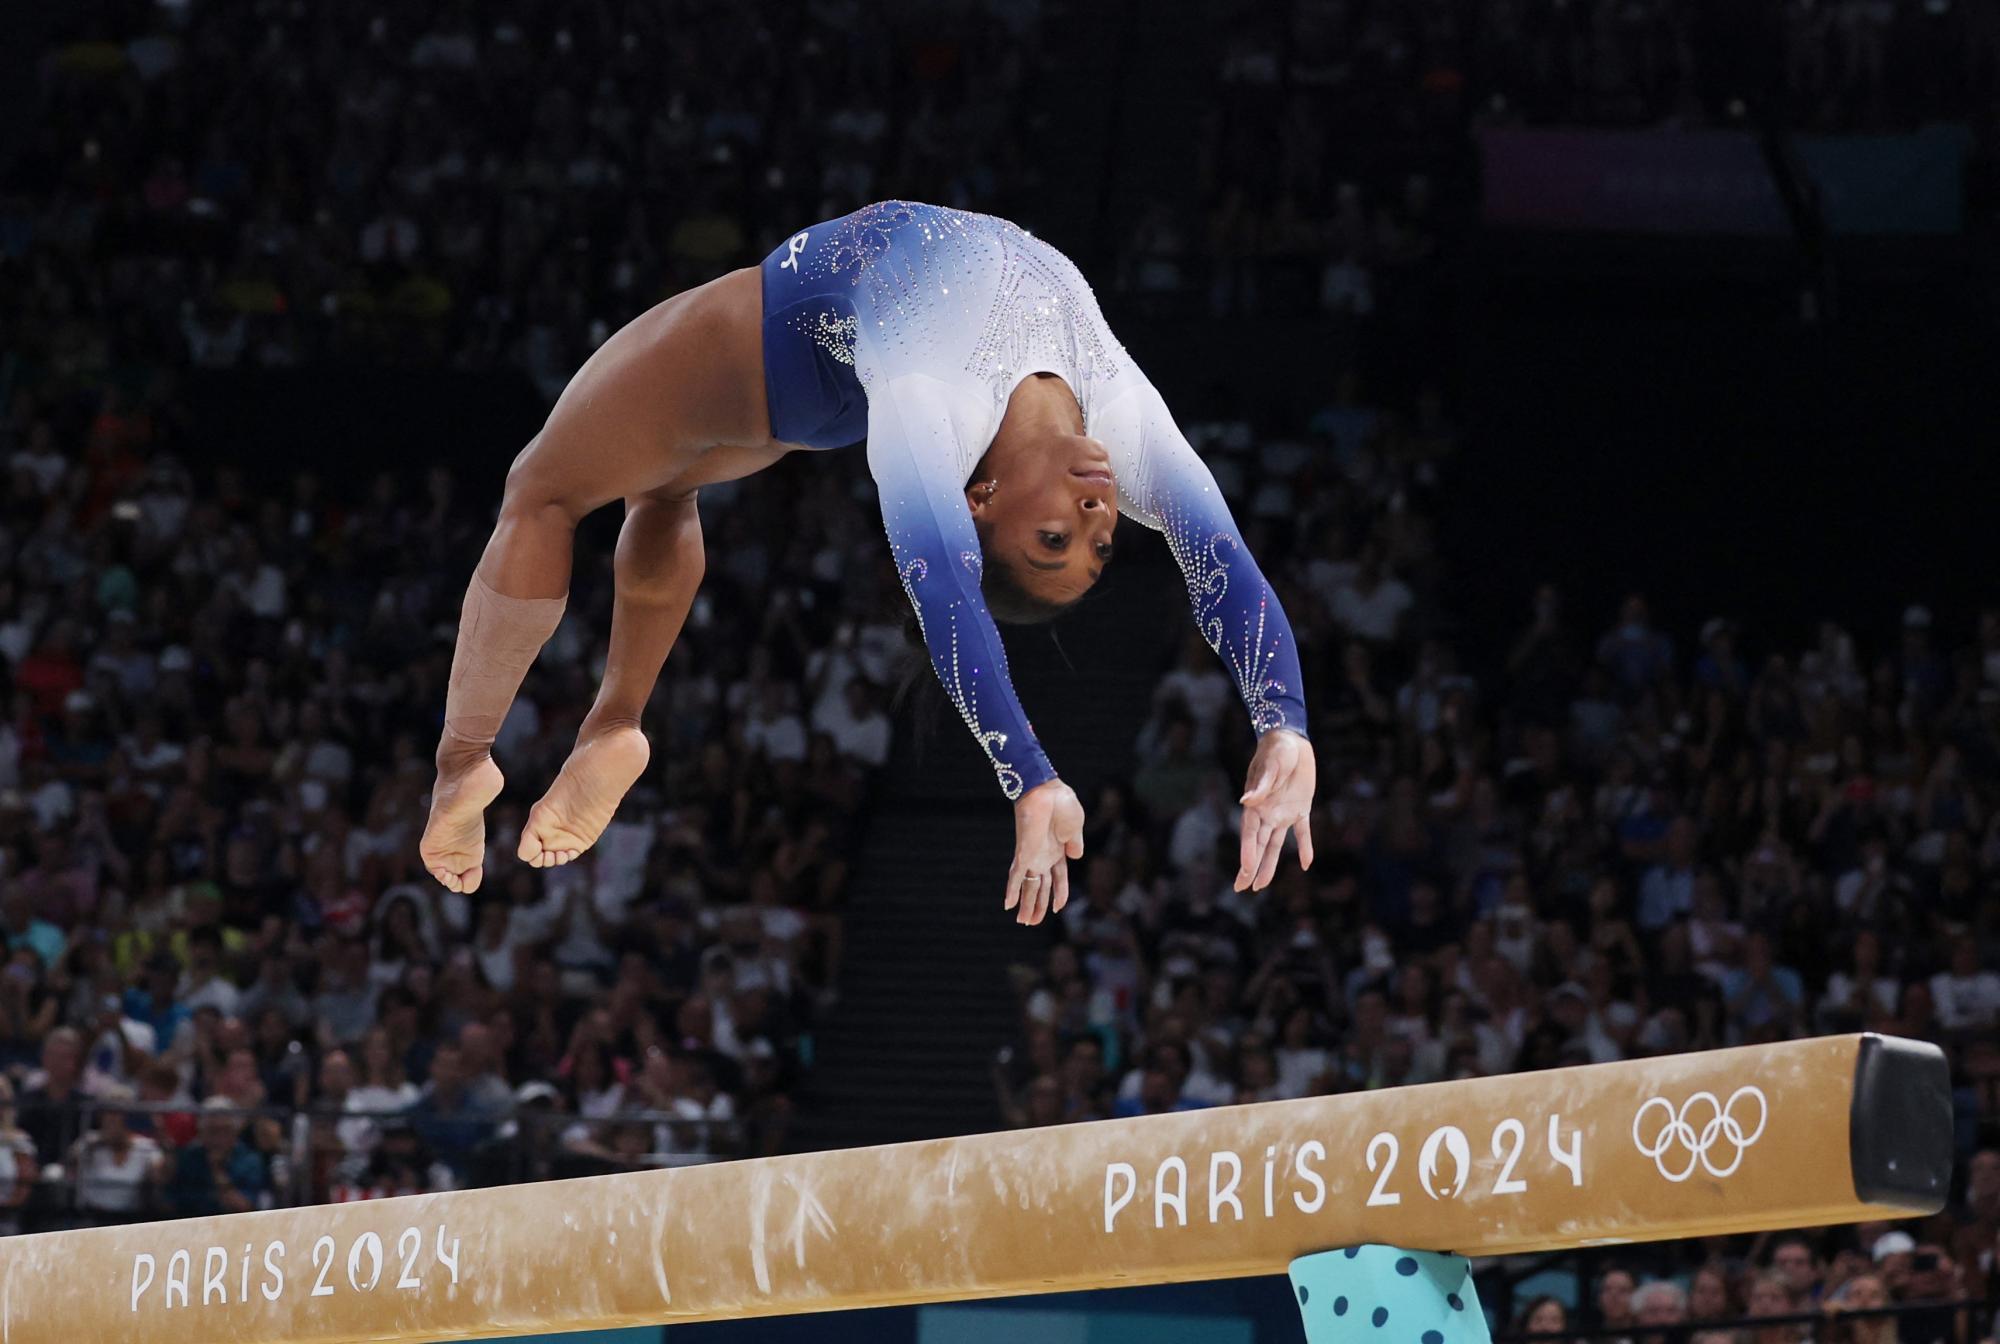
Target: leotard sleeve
{"points": [[1167, 487], [914, 433]]}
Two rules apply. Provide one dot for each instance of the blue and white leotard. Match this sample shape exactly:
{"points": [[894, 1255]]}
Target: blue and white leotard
{"points": [[911, 325]]}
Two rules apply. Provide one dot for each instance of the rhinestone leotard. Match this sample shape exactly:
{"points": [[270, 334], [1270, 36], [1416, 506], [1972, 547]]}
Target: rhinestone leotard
{"points": [[939, 315]]}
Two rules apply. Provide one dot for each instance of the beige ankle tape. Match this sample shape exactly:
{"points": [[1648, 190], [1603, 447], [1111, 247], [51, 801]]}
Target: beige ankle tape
{"points": [[498, 638]]}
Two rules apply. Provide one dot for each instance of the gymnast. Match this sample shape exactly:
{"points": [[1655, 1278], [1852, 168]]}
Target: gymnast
{"points": [[1006, 430]]}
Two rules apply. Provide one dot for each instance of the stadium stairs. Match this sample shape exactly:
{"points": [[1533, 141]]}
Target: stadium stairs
{"points": [[925, 999]]}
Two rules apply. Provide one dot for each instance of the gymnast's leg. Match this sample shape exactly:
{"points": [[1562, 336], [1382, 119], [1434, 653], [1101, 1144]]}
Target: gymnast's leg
{"points": [[512, 606], [658, 566], [605, 439]]}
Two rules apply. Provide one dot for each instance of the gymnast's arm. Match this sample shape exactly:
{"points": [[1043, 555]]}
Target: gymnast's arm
{"points": [[912, 439], [1241, 618]]}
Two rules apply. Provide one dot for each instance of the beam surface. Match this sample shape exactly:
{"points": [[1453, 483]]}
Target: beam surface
{"points": [[1836, 1129]]}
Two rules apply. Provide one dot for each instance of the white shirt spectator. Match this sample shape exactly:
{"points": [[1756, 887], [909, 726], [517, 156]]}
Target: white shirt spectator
{"points": [[132, 670], [104, 1066], [622, 852], [362, 844], [497, 963], [1966, 1000], [217, 992], [1346, 287], [1205, 692], [53, 804], [1665, 894], [1196, 832], [17, 634], [863, 737], [151, 759], [830, 669], [329, 760], [1299, 1070], [41, 464], [694, 1139], [1325, 578], [532, 923], [1880, 994], [1374, 614], [781, 737], [261, 590], [360, 1129], [108, 1183]]}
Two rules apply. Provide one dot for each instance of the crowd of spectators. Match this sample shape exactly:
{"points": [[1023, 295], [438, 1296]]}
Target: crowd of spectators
{"points": [[220, 704], [1337, 136], [496, 184], [1879, 1285], [479, 185]]}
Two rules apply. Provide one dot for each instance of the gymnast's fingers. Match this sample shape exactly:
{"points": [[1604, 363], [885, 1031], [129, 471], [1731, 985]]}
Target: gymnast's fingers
{"points": [[1061, 874], [1274, 849], [1030, 888], [1255, 828], [1304, 832]]}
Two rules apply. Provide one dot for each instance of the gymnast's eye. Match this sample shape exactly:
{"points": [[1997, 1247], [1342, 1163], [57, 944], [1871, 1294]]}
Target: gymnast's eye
{"points": [[1055, 541], [1104, 551]]}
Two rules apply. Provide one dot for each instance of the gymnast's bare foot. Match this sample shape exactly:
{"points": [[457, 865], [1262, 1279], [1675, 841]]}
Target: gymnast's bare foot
{"points": [[454, 843], [580, 804]]}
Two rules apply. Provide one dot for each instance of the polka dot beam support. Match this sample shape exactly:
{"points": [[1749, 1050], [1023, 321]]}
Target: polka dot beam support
{"points": [[1387, 1295]]}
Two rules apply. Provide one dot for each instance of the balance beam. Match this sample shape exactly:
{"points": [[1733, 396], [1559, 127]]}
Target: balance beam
{"points": [[1831, 1130]]}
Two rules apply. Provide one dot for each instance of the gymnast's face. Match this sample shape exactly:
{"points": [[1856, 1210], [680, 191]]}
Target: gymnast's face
{"points": [[1046, 505]]}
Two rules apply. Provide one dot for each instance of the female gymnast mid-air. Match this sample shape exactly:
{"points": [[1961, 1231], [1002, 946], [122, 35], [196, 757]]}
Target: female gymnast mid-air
{"points": [[1006, 429]]}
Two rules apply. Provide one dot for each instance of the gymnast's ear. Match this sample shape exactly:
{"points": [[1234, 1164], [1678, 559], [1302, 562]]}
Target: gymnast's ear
{"points": [[979, 496]]}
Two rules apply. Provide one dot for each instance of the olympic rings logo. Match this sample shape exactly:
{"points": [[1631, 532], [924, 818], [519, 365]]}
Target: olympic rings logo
{"points": [[1700, 1125]]}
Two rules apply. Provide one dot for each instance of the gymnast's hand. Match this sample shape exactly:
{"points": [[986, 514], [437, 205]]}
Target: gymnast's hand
{"points": [[1278, 797], [1048, 833]]}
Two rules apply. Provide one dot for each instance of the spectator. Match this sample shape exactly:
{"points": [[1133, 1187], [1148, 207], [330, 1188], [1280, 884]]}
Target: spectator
{"points": [[380, 1092], [1543, 1315], [221, 1172], [1370, 606], [1761, 993], [1862, 1293], [1666, 892], [487, 1087], [1967, 995], [1771, 1295], [1793, 1260], [48, 1108], [858, 727], [1933, 1277], [399, 1164], [116, 1169], [1636, 656], [1615, 1287], [1659, 1305], [1709, 1300], [445, 1116]]}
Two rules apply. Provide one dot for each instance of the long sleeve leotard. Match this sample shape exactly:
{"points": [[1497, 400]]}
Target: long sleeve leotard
{"points": [[943, 314]]}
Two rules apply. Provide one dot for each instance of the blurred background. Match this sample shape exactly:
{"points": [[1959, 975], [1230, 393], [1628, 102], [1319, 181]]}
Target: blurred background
{"points": [[1607, 385]]}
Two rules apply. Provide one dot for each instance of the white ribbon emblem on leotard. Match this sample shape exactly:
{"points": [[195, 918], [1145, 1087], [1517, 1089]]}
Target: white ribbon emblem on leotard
{"points": [[797, 244]]}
